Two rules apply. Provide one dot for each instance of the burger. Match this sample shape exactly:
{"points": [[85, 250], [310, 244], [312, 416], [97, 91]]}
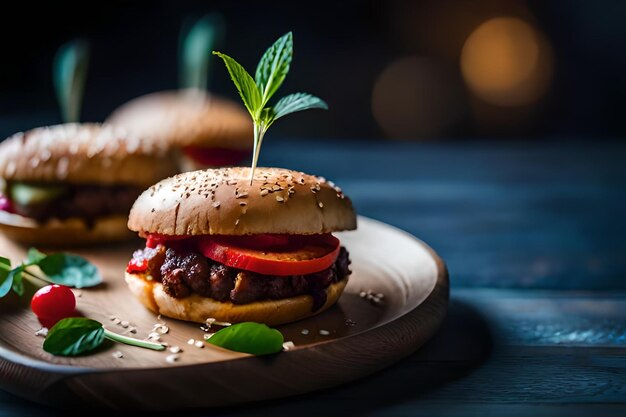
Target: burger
{"points": [[74, 184], [219, 246], [208, 131]]}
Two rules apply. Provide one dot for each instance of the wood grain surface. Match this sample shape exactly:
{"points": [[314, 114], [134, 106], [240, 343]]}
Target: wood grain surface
{"points": [[385, 260]]}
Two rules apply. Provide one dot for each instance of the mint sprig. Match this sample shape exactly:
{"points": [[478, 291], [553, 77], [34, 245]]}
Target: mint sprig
{"points": [[257, 92], [69, 75], [59, 268], [75, 336]]}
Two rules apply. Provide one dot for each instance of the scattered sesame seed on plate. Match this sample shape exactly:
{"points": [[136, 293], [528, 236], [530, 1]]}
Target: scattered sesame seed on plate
{"points": [[43, 332], [324, 332], [191, 341], [172, 358], [175, 349], [125, 324], [305, 331], [117, 354], [288, 345], [208, 336]]}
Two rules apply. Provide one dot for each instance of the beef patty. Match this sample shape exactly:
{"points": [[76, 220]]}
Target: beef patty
{"points": [[87, 202], [184, 272]]}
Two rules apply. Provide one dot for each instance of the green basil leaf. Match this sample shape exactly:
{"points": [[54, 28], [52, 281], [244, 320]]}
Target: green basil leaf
{"points": [[274, 66], [70, 72], [74, 336], [245, 84], [249, 337], [17, 283], [6, 281], [33, 257], [296, 102], [71, 270]]}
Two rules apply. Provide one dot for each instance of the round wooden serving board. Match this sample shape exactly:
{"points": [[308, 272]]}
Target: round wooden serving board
{"points": [[363, 337]]}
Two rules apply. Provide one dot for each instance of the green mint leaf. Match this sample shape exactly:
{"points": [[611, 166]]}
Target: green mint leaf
{"points": [[249, 337], [16, 278], [297, 102], [245, 84], [74, 336], [70, 72], [194, 62], [6, 282], [70, 270], [274, 66], [34, 256]]}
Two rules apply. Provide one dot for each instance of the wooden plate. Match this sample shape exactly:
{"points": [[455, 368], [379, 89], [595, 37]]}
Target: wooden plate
{"points": [[363, 337]]}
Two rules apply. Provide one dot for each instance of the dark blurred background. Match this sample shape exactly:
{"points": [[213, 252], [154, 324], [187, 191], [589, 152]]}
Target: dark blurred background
{"points": [[420, 70]]}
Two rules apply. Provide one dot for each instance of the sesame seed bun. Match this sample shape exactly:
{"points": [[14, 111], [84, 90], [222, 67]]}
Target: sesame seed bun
{"points": [[187, 118], [64, 233], [222, 202], [196, 308], [83, 154]]}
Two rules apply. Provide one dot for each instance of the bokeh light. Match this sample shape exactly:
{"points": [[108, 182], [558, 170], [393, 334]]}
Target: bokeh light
{"points": [[507, 62], [415, 98]]}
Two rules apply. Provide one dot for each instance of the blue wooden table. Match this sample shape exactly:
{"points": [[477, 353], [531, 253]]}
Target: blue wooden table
{"points": [[534, 236]]}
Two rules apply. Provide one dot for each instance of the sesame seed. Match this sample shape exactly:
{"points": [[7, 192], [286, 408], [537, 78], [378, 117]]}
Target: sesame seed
{"points": [[279, 199], [199, 344], [324, 332], [264, 192], [175, 349], [172, 358], [125, 324], [117, 354], [191, 341], [116, 321], [112, 318], [42, 332], [288, 345], [208, 336], [216, 204], [320, 204], [305, 331]]}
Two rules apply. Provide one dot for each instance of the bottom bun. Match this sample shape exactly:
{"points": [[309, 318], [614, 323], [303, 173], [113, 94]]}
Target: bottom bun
{"points": [[198, 309], [64, 233]]}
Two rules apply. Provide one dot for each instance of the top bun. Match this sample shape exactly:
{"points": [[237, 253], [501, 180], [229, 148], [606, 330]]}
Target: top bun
{"points": [[187, 118], [83, 154], [222, 202]]}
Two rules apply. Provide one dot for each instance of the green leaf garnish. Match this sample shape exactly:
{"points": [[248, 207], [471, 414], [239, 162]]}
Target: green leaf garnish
{"points": [[77, 335], [245, 84], [70, 72], [249, 337], [71, 270], [74, 336], [256, 94], [274, 66], [5, 282], [59, 268], [193, 61], [297, 102]]}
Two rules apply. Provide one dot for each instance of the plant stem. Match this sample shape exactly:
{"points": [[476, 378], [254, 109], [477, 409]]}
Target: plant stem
{"points": [[25, 271], [259, 132], [132, 341]]}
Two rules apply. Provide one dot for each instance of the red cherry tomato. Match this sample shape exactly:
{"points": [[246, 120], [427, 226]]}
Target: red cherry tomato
{"points": [[301, 259], [53, 303], [215, 157], [5, 203]]}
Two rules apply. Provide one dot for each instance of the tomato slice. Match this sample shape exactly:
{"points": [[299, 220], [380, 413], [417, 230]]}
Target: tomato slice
{"points": [[303, 256], [215, 157]]}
